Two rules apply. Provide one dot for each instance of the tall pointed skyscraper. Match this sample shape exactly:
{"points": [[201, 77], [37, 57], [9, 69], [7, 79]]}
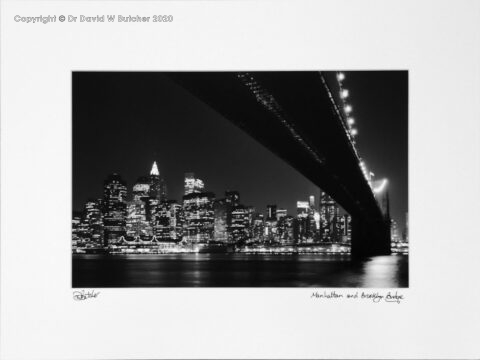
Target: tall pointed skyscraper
{"points": [[158, 188], [154, 170]]}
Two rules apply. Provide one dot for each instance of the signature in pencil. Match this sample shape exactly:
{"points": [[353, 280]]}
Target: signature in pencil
{"points": [[84, 295]]}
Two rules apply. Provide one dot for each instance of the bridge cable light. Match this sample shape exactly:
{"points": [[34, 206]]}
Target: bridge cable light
{"points": [[380, 188], [349, 122]]}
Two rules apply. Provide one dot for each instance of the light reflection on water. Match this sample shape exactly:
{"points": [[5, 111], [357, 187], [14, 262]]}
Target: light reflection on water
{"points": [[239, 270], [379, 272]]}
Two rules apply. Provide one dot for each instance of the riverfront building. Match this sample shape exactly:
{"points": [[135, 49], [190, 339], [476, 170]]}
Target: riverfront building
{"points": [[199, 217], [169, 221], [240, 226], [92, 223], [115, 209], [220, 209]]}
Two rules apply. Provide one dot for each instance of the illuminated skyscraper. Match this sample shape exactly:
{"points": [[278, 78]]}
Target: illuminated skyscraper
{"points": [[193, 185], [316, 217], [138, 222], [169, 221], [177, 217], [329, 211], [152, 209], [189, 183], [258, 228], [93, 222], [394, 231], [300, 226], [83, 231], [302, 208], [152, 191], [114, 196], [239, 228], [141, 189], [220, 209], [199, 217], [271, 223], [158, 187], [271, 212], [286, 234], [232, 200], [250, 214], [312, 221], [305, 222], [345, 226], [76, 221]]}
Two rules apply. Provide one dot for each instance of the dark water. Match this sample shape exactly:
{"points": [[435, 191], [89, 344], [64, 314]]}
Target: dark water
{"points": [[238, 270]]}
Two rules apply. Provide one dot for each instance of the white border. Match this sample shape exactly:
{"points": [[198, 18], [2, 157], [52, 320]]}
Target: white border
{"points": [[437, 41]]}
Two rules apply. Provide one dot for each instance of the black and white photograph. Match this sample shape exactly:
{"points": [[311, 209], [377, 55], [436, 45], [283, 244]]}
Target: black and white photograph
{"points": [[240, 179]]}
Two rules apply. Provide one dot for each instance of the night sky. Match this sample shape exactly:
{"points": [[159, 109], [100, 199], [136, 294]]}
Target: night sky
{"points": [[122, 122]]}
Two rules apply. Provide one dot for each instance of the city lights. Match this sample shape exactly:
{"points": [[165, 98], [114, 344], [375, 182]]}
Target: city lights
{"points": [[150, 223], [353, 132]]}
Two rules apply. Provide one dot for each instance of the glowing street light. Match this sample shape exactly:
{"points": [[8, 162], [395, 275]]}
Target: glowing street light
{"points": [[354, 132], [340, 76], [348, 109], [350, 121], [344, 94]]}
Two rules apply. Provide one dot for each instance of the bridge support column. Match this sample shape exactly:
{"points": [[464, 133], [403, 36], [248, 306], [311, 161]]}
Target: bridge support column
{"points": [[370, 238]]}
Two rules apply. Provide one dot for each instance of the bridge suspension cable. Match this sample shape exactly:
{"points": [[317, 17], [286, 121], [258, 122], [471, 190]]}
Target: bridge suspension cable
{"points": [[350, 124]]}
